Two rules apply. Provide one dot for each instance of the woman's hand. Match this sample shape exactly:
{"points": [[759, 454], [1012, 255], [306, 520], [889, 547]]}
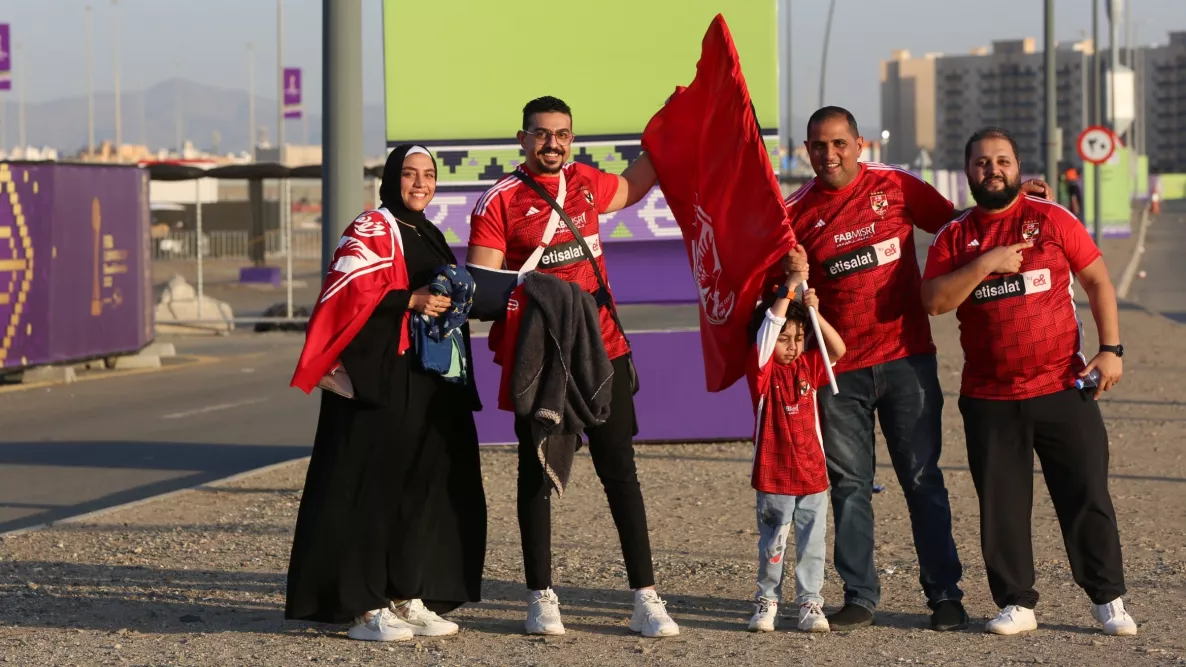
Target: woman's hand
{"points": [[432, 305]]}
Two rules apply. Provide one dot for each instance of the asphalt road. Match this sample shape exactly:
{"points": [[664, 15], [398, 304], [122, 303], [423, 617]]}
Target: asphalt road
{"points": [[1164, 288], [71, 449]]}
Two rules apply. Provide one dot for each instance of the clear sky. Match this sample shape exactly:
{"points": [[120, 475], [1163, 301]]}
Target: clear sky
{"points": [[206, 41]]}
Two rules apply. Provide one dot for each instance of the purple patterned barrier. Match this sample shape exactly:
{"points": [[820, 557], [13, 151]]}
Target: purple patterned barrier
{"points": [[648, 220], [75, 281], [672, 404]]}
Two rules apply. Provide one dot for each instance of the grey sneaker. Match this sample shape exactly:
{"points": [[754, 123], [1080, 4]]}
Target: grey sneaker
{"points": [[543, 613], [765, 615]]}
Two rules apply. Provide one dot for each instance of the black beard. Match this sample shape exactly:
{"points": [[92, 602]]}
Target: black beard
{"points": [[994, 200], [539, 159]]}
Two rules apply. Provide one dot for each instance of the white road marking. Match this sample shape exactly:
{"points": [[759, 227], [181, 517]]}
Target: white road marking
{"points": [[213, 408]]}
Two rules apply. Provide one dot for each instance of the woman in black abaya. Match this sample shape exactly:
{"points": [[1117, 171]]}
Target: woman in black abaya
{"points": [[391, 529]]}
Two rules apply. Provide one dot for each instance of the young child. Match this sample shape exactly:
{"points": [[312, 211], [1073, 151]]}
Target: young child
{"points": [[789, 471]]}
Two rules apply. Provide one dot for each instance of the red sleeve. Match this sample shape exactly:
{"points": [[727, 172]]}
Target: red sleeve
{"points": [[940, 259], [929, 209], [1076, 242], [487, 224], [605, 185]]}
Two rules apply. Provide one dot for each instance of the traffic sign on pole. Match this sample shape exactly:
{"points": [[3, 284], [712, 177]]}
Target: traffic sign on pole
{"points": [[1097, 144]]}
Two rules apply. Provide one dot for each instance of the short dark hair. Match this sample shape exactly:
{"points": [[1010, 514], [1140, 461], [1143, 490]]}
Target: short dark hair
{"points": [[991, 132], [796, 314], [829, 113], [545, 104]]}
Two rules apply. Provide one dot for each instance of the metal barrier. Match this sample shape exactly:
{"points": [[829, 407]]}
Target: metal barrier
{"points": [[306, 245]]}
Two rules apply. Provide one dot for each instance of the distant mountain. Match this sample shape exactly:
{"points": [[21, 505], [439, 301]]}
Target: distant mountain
{"points": [[150, 116]]}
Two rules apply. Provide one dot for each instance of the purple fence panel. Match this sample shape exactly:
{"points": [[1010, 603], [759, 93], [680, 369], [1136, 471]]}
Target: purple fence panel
{"points": [[99, 274], [26, 256], [672, 403], [75, 281]]}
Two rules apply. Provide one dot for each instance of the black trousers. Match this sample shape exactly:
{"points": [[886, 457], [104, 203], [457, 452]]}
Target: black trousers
{"points": [[1067, 432], [612, 448]]}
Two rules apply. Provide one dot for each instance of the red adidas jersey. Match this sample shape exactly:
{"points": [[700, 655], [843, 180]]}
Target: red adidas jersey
{"points": [[512, 218], [1020, 333], [788, 446], [860, 242]]}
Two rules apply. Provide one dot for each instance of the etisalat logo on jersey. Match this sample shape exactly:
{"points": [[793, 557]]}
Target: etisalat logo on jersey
{"points": [[1016, 284], [862, 259], [571, 252]]}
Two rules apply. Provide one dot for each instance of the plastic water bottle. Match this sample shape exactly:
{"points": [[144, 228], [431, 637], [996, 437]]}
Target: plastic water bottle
{"points": [[1092, 380]]}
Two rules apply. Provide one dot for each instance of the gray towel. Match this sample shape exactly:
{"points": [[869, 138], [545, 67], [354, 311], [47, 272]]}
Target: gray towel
{"points": [[562, 378]]}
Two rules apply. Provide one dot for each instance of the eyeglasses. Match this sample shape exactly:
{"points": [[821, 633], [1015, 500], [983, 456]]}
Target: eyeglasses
{"points": [[563, 137]]}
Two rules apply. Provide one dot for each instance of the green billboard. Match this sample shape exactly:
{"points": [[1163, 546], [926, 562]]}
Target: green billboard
{"points": [[460, 71]]}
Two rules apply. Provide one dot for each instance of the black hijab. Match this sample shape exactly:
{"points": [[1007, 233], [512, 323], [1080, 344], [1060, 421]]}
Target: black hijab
{"points": [[393, 201]]}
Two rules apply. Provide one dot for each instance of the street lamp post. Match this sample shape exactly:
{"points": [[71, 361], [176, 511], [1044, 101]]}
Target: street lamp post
{"points": [[251, 99], [90, 88], [119, 132]]}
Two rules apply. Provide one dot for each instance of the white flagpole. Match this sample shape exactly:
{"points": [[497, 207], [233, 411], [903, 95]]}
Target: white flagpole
{"points": [[819, 340]]}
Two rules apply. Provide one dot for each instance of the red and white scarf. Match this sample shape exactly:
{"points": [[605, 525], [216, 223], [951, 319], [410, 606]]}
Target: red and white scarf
{"points": [[368, 263]]}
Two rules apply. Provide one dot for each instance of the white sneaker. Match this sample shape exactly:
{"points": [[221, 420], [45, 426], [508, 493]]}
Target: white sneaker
{"points": [[377, 626], [650, 616], [1012, 620], [812, 619], [765, 615], [1116, 620], [543, 613], [421, 621]]}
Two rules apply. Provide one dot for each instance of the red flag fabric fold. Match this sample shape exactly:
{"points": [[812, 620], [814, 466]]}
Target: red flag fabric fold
{"points": [[368, 263], [716, 175]]}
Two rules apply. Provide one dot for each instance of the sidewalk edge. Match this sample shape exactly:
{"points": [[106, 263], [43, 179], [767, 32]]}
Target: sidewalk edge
{"points": [[1134, 262]]}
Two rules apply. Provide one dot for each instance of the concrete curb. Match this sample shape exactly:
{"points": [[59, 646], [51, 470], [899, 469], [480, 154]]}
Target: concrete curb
{"points": [[1134, 262], [212, 484]]}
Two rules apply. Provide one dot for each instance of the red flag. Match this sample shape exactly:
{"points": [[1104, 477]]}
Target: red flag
{"points": [[368, 263], [715, 172]]}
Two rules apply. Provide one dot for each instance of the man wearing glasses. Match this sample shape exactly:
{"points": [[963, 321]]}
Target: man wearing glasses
{"points": [[509, 226]]}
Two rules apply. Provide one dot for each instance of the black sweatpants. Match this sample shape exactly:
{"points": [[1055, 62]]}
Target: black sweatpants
{"points": [[1068, 434], [612, 447]]}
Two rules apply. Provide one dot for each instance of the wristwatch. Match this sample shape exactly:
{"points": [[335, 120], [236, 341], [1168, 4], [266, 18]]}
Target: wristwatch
{"points": [[782, 292], [1117, 349]]}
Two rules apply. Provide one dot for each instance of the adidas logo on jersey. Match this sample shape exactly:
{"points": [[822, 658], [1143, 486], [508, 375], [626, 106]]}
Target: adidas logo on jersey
{"points": [[974, 244], [532, 211], [820, 223]]}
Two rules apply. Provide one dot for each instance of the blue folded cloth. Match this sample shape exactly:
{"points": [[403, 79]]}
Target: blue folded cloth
{"points": [[438, 341]]}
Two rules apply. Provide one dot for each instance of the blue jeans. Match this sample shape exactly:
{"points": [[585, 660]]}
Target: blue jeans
{"points": [[808, 515], [909, 404]]}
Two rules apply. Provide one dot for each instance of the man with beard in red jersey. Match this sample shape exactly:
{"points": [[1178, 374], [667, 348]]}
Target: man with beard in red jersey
{"points": [[1006, 268], [857, 222]]}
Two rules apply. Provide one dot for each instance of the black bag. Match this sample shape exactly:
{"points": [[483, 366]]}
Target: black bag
{"points": [[603, 297]]}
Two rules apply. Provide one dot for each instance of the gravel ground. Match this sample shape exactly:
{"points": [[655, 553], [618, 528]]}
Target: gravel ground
{"points": [[198, 578]]}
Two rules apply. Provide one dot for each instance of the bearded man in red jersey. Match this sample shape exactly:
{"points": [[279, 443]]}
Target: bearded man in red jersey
{"points": [[1006, 267]]}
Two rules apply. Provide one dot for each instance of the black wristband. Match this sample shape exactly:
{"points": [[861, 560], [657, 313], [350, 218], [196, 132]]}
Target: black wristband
{"points": [[782, 292], [1117, 349]]}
